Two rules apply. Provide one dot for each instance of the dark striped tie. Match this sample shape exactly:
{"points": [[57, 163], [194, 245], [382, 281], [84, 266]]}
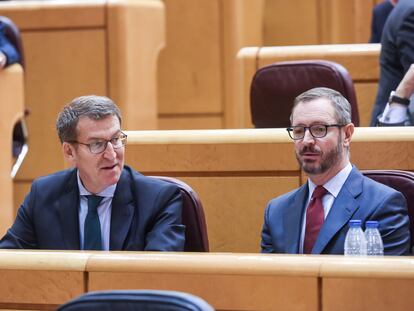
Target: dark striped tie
{"points": [[92, 230]]}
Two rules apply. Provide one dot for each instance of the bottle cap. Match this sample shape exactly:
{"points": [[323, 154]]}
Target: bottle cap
{"points": [[355, 223], [371, 224]]}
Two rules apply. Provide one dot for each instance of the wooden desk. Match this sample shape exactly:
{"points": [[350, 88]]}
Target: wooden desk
{"points": [[12, 110], [236, 172], [361, 60], [44, 279]]}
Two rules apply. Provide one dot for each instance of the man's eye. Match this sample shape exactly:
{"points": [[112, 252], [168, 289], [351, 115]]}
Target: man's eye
{"points": [[97, 144], [298, 130], [318, 129]]}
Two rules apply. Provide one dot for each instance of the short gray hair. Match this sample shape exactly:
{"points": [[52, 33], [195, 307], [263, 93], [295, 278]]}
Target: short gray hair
{"points": [[341, 105], [91, 106]]}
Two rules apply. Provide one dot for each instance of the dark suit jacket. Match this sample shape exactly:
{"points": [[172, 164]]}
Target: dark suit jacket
{"points": [[379, 17], [7, 47], [146, 215], [360, 198], [397, 53]]}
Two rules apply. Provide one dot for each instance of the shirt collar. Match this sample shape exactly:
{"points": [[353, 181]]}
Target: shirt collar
{"points": [[335, 184], [107, 192]]}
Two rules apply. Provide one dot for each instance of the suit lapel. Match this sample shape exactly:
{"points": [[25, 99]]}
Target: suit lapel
{"points": [[122, 212], [291, 226], [341, 211], [67, 207]]}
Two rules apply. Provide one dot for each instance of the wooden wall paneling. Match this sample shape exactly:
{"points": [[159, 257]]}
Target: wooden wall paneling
{"points": [[40, 280], [376, 283], [234, 199], [233, 282], [189, 74], [241, 26], [290, 22], [317, 22], [135, 37], [12, 110]]}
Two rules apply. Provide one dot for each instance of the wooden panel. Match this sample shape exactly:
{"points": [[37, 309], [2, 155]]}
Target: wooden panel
{"points": [[349, 294], [55, 14], [133, 54], [39, 279], [189, 74], [241, 199], [12, 109], [317, 21], [366, 94], [189, 122], [290, 22], [227, 282], [221, 291]]}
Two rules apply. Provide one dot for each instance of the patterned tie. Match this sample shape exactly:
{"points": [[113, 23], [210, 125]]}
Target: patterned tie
{"points": [[92, 230], [314, 219]]}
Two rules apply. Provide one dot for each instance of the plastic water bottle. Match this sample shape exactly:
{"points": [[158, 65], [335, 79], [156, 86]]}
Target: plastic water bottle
{"points": [[355, 242], [375, 246]]}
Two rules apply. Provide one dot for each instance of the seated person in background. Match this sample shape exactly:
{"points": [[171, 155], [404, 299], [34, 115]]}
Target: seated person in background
{"points": [[100, 204], [397, 53], [379, 16], [8, 52], [313, 219], [399, 110]]}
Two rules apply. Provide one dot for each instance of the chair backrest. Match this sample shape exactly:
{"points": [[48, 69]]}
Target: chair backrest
{"points": [[402, 181], [196, 238], [129, 300], [13, 34], [274, 88]]}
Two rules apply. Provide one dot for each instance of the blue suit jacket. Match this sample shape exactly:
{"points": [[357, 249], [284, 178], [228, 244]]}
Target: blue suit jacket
{"points": [[146, 215], [8, 48], [360, 198]]}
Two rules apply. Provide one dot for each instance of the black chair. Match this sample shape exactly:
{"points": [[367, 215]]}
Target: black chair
{"points": [[402, 181], [274, 88], [142, 300], [196, 238]]}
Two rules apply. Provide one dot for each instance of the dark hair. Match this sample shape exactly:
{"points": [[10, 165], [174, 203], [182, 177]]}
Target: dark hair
{"points": [[92, 106], [340, 103]]}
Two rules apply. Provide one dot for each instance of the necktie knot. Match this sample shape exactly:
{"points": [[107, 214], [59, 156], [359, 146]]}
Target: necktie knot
{"points": [[93, 202], [319, 192]]}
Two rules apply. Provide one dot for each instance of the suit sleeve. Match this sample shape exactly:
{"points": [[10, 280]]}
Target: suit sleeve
{"points": [[394, 225], [266, 243], [8, 48], [167, 232], [22, 234], [405, 42]]}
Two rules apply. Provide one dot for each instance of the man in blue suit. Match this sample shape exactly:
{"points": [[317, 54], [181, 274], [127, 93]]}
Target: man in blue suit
{"points": [[299, 221], [98, 204]]}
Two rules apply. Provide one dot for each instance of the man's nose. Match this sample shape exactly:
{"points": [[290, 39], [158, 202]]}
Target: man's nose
{"points": [[308, 138], [109, 151]]}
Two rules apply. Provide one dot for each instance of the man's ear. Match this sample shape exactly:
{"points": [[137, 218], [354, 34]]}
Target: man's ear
{"points": [[69, 152], [348, 131]]}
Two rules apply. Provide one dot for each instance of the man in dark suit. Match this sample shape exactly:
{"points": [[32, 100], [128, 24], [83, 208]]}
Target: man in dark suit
{"points": [[314, 218], [379, 17], [98, 204], [397, 54]]}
